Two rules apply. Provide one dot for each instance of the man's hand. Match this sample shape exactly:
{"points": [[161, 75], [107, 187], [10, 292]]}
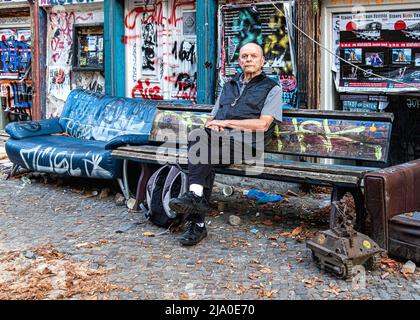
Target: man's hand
{"points": [[216, 125]]}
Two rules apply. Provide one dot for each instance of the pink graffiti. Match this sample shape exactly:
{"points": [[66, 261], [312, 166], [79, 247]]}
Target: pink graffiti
{"points": [[288, 82], [147, 92], [61, 25]]}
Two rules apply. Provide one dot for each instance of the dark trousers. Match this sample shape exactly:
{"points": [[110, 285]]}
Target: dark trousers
{"points": [[222, 150]]}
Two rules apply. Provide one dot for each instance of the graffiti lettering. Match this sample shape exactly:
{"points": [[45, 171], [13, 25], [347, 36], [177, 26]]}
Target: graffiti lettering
{"points": [[187, 86], [186, 52], [15, 56], [62, 162], [146, 92], [149, 36]]}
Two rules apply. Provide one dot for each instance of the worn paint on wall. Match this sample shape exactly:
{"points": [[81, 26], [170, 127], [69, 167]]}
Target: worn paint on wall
{"points": [[61, 21], [160, 38]]}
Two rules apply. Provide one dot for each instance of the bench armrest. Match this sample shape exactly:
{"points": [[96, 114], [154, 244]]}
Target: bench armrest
{"points": [[25, 129], [128, 139]]}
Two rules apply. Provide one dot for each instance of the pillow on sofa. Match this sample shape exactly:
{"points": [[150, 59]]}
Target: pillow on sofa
{"points": [[24, 129], [131, 139]]}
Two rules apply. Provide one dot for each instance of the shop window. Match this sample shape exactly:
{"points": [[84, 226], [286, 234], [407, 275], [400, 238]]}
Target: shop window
{"points": [[88, 48]]}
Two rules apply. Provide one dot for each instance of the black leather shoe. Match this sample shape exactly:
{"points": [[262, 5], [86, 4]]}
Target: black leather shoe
{"points": [[189, 203], [193, 235]]}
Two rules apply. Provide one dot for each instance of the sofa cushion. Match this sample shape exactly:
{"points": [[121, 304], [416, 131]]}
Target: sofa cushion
{"points": [[406, 227], [65, 156], [95, 116]]}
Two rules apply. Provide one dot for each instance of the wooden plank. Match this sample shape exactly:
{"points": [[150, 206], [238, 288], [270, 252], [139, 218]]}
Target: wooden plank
{"points": [[309, 113], [325, 137], [253, 171], [140, 152], [332, 138]]}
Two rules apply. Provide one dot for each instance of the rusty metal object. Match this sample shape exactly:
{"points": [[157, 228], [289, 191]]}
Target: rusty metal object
{"points": [[340, 248]]}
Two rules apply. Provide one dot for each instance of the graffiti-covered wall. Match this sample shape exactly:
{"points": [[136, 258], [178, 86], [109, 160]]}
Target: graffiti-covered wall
{"points": [[265, 23], [15, 66], [61, 79], [160, 39]]}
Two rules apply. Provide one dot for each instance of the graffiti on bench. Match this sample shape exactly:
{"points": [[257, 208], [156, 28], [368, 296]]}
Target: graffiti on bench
{"points": [[330, 138]]}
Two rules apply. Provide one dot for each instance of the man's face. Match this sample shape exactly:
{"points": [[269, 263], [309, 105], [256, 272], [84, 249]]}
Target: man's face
{"points": [[251, 59]]}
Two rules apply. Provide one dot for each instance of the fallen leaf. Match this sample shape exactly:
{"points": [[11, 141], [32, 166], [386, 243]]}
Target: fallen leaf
{"points": [[220, 261], [266, 270], [184, 296], [333, 289], [266, 293], [267, 222], [297, 231], [254, 276], [274, 238], [285, 234]]}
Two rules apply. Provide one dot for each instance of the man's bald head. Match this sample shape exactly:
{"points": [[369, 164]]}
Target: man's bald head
{"points": [[251, 60], [252, 46]]}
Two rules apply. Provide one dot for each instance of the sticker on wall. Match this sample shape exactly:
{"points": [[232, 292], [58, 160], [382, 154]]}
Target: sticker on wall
{"points": [[59, 82]]}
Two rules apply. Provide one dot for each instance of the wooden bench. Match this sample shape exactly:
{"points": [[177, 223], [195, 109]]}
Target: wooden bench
{"points": [[305, 134]]}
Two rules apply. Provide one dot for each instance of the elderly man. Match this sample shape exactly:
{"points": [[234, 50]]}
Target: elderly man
{"points": [[248, 103]]}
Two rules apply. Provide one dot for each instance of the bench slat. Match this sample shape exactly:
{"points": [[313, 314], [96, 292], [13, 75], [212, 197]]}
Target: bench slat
{"points": [[267, 172], [331, 134], [137, 152]]}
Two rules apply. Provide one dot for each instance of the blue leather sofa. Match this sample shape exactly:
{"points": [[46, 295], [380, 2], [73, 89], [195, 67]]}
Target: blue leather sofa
{"points": [[80, 141]]}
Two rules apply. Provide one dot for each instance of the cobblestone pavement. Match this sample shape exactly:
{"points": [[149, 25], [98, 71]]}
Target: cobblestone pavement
{"points": [[265, 257]]}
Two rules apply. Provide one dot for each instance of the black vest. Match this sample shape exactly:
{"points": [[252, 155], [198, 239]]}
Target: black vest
{"points": [[247, 106]]}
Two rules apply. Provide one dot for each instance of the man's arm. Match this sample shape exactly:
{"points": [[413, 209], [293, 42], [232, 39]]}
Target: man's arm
{"points": [[272, 110], [261, 124]]}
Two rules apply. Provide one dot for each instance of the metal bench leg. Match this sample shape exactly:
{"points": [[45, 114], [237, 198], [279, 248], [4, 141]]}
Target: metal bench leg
{"points": [[125, 192], [15, 168]]}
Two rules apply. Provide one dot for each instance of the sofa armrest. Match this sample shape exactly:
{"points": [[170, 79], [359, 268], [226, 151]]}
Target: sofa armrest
{"points": [[390, 192], [25, 129], [128, 139]]}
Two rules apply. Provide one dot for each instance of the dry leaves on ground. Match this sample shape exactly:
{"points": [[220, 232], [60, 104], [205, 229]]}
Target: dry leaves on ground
{"points": [[312, 282], [50, 275], [333, 289]]}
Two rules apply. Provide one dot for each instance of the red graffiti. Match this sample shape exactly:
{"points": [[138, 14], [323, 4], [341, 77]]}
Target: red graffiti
{"points": [[146, 92], [127, 39], [61, 25], [155, 15]]}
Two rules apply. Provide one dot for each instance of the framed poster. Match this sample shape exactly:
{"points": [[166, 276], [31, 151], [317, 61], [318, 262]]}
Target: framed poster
{"points": [[88, 48]]}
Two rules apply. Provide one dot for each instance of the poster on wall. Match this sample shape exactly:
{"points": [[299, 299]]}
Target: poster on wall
{"points": [[385, 45], [267, 25], [15, 53], [385, 56], [59, 81]]}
